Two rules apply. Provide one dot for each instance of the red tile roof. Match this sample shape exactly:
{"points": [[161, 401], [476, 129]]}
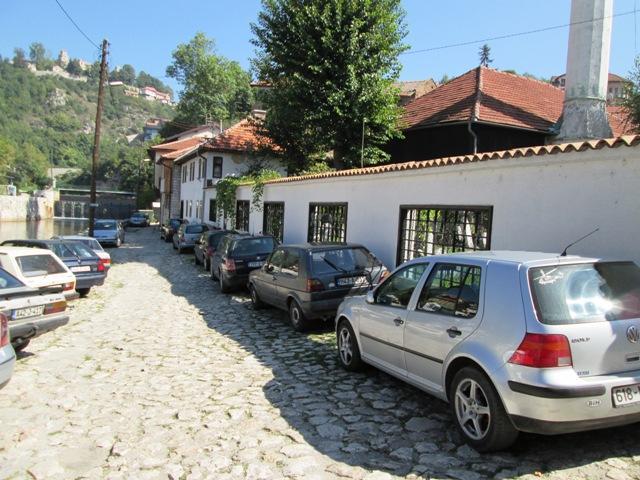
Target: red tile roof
{"points": [[179, 144], [619, 121], [530, 152], [494, 97], [241, 137]]}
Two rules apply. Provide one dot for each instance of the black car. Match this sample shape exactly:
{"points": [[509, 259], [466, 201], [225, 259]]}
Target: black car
{"points": [[237, 256], [206, 246], [88, 268], [311, 280], [168, 229]]}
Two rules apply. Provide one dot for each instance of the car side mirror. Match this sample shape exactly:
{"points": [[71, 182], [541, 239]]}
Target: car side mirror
{"points": [[371, 298]]}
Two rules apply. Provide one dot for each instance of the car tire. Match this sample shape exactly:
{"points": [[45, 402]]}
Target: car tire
{"points": [[348, 350], [174, 246], [179, 250], [478, 412], [196, 258], [118, 242], [205, 264], [224, 285], [22, 346], [299, 321], [255, 298], [84, 292], [214, 277]]}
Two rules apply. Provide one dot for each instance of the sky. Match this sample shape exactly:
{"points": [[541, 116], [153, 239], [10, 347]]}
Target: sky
{"points": [[145, 33]]}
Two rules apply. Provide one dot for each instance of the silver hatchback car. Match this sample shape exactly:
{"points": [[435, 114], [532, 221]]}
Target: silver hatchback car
{"points": [[514, 341]]}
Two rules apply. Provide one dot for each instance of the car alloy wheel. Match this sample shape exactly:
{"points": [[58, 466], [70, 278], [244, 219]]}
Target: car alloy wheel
{"points": [[345, 346], [472, 409]]}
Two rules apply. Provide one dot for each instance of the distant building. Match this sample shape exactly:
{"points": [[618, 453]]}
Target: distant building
{"points": [[615, 88], [63, 58], [130, 91], [150, 93], [116, 83], [152, 128], [411, 90]]}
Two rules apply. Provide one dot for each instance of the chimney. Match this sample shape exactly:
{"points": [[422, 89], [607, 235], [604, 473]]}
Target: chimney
{"points": [[584, 115]]}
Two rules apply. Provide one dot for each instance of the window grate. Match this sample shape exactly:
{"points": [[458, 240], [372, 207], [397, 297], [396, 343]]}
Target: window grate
{"points": [[327, 222], [213, 210], [273, 220], [433, 230], [242, 215]]}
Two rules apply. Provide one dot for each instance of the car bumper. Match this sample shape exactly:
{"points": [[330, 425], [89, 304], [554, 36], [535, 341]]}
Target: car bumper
{"points": [[107, 241], [34, 327], [321, 308], [88, 281], [7, 364], [236, 280], [71, 295], [553, 401]]}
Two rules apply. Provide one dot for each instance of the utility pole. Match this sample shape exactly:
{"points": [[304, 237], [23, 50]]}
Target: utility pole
{"points": [[96, 137]]}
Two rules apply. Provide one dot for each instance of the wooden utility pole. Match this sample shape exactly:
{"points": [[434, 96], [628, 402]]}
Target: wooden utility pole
{"points": [[96, 137]]}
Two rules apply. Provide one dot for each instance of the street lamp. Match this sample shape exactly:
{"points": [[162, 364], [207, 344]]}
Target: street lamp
{"points": [[145, 160]]}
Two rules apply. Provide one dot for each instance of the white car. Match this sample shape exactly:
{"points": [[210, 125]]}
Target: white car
{"points": [[93, 244], [39, 268], [29, 312], [7, 355]]}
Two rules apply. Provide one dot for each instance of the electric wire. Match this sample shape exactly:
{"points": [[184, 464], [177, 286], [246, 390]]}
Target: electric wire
{"points": [[517, 34], [76, 25]]}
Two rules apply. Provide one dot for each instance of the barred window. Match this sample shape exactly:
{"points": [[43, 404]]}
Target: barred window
{"points": [[213, 210], [242, 215], [273, 219], [436, 230], [217, 167], [327, 222]]}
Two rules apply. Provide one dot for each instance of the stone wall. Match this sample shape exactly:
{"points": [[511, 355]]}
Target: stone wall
{"points": [[24, 207]]}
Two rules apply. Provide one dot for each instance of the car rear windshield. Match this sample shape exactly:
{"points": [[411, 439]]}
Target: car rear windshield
{"points": [[61, 250], [81, 250], [254, 246], [92, 243], [191, 229], [587, 292], [9, 281], [38, 265], [174, 224], [345, 259], [105, 225], [216, 237]]}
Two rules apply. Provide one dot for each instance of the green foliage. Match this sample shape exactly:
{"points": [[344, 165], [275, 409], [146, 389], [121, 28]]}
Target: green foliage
{"points": [[19, 58], [74, 67], [126, 74], [145, 80], [213, 86], [317, 167], [485, 55], [332, 64], [226, 190], [631, 99]]}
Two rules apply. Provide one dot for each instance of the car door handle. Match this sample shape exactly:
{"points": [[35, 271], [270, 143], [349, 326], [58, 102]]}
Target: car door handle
{"points": [[398, 321], [454, 332]]}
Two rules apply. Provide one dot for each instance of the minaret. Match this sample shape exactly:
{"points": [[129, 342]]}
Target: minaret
{"points": [[584, 115]]}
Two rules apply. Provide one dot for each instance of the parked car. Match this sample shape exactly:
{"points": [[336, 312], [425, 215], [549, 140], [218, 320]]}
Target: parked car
{"points": [[311, 280], [187, 235], [7, 355], [167, 230], [515, 341], [30, 313], [39, 268], [139, 219], [93, 244], [87, 267], [207, 244], [237, 255], [108, 232]]}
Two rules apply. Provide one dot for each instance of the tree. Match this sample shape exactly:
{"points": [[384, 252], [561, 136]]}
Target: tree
{"points": [[126, 74], [7, 158], [631, 99], [331, 64], [145, 80], [37, 52], [213, 86], [19, 58], [485, 55], [74, 67]]}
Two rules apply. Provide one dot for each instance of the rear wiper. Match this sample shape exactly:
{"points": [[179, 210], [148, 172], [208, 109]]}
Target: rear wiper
{"points": [[334, 266]]}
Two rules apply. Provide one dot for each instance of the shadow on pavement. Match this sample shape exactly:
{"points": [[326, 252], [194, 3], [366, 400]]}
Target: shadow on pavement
{"points": [[368, 419]]}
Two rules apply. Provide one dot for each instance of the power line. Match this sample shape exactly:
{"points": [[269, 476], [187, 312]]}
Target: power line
{"points": [[518, 34], [77, 26]]}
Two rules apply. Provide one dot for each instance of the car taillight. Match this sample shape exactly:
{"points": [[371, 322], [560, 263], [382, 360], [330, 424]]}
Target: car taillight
{"points": [[4, 330], [210, 251], [314, 285], [69, 286], [101, 266], [229, 265], [55, 307], [543, 351]]}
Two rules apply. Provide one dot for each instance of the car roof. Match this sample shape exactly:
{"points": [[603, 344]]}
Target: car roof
{"points": [[73, 237], [508, 256], [40, 241], [105, 220], [8, 250], [319, 246]]}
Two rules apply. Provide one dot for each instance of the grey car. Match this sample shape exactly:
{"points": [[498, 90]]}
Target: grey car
{"points": [[108, 232], [309, 281], [187, 235], [514, 341]]}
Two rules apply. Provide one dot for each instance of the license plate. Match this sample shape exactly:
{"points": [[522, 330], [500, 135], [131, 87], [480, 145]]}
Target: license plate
{"points": [[28, 312], [255, 264], [627, 395], [85, 268], [355, 281]]}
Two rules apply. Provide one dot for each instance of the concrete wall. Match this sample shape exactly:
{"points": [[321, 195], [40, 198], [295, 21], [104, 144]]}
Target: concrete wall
{"points": [[24, 207], [540, 203]]}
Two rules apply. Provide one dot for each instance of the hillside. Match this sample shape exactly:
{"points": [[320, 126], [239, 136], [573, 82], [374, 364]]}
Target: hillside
{"points": [[49, 121]]}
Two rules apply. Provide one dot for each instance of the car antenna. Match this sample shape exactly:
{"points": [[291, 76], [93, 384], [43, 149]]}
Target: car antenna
{"points": [[564, 252]]}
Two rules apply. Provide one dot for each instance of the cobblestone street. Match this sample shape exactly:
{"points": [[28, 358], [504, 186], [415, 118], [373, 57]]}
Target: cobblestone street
{"points": [[159, 375]]}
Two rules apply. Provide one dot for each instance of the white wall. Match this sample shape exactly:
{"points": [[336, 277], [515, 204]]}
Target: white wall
{"points": [[539, 203], [192, 190]]}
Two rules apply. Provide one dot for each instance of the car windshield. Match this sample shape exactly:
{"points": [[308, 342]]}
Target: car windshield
{"points": [[105, 225], [174, 224], [254, 246], [9, 281], [587, 292], [191, 229], [39, 265], [342, 260], [81, 250], [138, 215]]}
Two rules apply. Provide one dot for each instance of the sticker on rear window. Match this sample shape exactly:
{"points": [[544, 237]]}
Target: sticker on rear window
{"points": [[546, 278]]}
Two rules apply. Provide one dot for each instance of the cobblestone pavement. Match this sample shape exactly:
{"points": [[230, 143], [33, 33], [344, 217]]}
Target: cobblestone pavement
{"points": [[158, 375]]}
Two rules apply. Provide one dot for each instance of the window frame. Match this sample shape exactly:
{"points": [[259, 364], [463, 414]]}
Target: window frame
{"points": [[421, 281], [318, 238], [245, 217], [213, 207], [217, 162], [467, 208], [266, 207]]}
